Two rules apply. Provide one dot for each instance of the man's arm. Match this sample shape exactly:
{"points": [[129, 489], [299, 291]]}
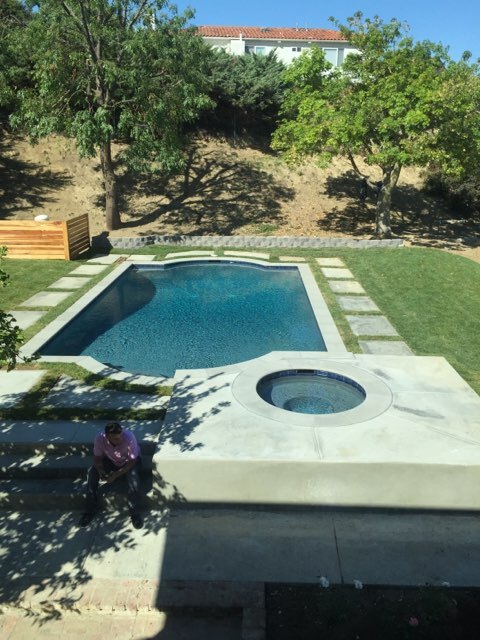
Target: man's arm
{"points": [[120, 472], [98, 464]]}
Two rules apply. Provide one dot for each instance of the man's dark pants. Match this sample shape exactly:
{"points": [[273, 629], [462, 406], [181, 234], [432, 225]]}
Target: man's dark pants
{"points": [[133, 482]]}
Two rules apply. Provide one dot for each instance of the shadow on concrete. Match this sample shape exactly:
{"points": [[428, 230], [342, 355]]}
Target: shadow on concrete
{"points": [[25, 185], [215, 194]]}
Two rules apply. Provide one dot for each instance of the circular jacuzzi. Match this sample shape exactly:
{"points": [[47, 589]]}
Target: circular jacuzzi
{"points": [[310, 391]]}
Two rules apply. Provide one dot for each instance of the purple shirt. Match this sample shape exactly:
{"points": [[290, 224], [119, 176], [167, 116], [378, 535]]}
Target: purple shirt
{"points": [[126, 451]]}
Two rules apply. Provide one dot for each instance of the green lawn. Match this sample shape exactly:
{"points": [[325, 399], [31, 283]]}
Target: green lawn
{"points": [[431, 297]]}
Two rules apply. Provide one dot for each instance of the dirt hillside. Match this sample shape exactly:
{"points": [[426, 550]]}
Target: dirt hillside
{"points": [[223, 190]]}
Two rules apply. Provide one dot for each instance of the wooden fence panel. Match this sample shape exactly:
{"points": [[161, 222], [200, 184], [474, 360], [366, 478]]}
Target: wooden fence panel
{"points": [[48, 239]]}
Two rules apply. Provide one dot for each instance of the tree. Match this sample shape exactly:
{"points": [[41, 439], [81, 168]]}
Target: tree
{"points": [[10, 334], [246, 88], [108, 70], [394, 102], [14, 61]]}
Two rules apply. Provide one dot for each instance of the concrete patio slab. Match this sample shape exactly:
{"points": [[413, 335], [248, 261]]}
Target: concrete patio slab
{"points": [[46, 299], [356, 303], [248, 254], [73, 393], [107, 259], [186, 254], [331, 272], [25, 319], [371, 326], [70, 283], [330, 262], [15, 384], [345, 286], [144, 257], [419, 449], [88, 270], [385, 347]]}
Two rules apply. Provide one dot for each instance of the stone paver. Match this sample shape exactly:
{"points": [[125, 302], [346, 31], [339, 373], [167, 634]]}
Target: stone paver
{"points": [[107, 259], [25, 319], [371, 326], [186, 254], [70, 283], [385, 347], [291, 259], [15, 384], [345, 286], [88, 270], [141, 257], [73, 393], [356, 303], [248, 254], [330, 262], [332, 272], [46, 299]]}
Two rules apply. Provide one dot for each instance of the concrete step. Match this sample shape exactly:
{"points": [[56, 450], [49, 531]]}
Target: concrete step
{"points": [[52, 465], [147, 447], [68, 494]]}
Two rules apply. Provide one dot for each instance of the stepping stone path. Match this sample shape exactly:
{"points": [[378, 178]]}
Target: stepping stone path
{"points": [[141, 257], [186, 254], [385, 347], [340, 280], [291, 259], [15, 384], [46, 299], [248, 254], [25, 319], [88, 270], [107, 259], [73, 393], [77, 282]]}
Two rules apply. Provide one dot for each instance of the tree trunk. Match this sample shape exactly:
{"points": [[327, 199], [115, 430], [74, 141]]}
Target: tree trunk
{"points": [[112, 216], [384, 202]]}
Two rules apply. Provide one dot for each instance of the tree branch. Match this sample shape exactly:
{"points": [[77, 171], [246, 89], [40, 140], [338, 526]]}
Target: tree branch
{"points": [[138, 13]]}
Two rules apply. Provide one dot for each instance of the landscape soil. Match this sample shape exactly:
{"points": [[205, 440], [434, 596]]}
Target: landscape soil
{"points": [[223, 190]]}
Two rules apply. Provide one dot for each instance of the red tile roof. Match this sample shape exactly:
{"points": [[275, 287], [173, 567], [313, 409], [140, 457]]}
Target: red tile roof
{"points": [[270, 33]]}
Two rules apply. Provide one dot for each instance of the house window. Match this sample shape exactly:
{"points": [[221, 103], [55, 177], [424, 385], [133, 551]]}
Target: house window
{"points": [[331, 56], [297, 49], [249, 49], [261, 51]]}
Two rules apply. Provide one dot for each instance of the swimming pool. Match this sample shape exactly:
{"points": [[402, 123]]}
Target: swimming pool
{"points": [[155, 319]]}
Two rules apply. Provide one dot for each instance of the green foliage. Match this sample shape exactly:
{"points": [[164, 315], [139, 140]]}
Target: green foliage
{"points": [[115, 69], [249, 86], [395, 103], [14, 60]]}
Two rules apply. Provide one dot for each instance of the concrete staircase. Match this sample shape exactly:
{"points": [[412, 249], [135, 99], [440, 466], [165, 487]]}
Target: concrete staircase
{"points": [[43, 465]]}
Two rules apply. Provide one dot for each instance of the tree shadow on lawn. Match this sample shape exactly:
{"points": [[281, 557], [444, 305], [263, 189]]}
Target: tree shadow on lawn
{"points": [[216, 193], [416, 216], [25, 185]]}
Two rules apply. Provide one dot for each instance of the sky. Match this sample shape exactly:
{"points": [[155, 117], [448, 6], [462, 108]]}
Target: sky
{"points": [[454, 23]]}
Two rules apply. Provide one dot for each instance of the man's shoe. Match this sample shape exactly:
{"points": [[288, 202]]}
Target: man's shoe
{"points": [[86, 518], [137, 521]]}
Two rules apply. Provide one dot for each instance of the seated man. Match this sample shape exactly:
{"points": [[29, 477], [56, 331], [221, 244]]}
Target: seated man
{"points": [[115, 453]]}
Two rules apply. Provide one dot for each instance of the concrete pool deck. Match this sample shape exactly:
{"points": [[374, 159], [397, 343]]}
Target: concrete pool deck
{"points": [[420, 449]]}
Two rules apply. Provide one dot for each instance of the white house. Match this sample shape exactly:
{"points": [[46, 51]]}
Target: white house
{"points": [[287, 42]]}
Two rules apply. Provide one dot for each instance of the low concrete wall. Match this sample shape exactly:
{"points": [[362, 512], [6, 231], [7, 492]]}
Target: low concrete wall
{"points": [[105, 241]]}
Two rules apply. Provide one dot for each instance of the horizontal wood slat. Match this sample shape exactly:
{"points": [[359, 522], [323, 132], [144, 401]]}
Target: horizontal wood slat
{"points": [[50, 239]]}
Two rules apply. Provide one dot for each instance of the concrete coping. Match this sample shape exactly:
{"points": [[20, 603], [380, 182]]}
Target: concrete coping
{"points": [[378, 395]]}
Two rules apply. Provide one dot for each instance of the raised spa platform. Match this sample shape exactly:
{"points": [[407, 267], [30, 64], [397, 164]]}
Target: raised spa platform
{"points": [[413, 443]]}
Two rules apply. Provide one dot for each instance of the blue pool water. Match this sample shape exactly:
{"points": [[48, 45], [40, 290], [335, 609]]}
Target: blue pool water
{"points": [[312, 392], [157, 319]]}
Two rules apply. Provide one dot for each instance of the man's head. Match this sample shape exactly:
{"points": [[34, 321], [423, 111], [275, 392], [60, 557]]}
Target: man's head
{"points": [[113, 432]]}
